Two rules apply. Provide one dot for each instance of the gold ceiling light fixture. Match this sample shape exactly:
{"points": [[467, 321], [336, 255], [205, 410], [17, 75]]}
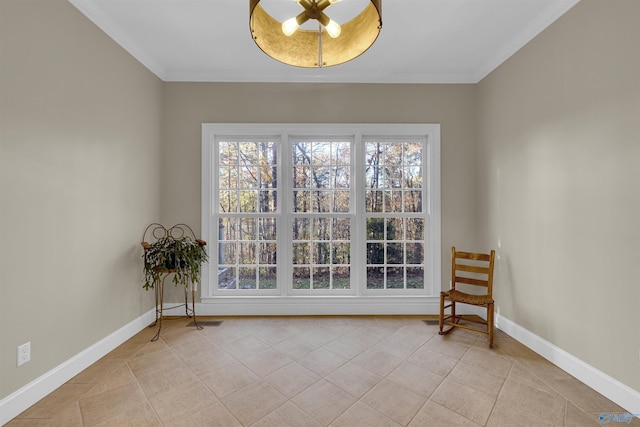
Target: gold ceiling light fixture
{"points": [[292, 45]]}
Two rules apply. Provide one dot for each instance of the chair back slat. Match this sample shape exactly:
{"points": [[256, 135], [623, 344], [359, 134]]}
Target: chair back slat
{"points": [[471, 281], [473, 256], [472, 268]]}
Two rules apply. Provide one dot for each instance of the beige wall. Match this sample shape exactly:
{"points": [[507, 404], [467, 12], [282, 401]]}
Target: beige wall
{"points": [[188, 105], [559, 133], [80, 124]]}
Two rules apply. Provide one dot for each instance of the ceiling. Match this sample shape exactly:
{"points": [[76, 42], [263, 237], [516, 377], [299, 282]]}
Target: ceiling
{"points": [[422, 41]]}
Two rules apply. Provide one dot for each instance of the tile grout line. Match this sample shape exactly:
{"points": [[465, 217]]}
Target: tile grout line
{"points": [[493, 407], [445, 378], [146, 396], [439, 385], [200, 379]]}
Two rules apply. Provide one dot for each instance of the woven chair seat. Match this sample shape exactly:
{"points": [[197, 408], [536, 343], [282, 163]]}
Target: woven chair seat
{"points": [[457, 296]]}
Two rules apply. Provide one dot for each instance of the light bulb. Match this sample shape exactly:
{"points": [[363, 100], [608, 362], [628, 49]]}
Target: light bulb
{"points": [[290, 26], [333, 28], [333, 1]]}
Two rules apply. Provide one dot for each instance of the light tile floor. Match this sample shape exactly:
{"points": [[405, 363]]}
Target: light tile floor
{"points": [[319, 371]]}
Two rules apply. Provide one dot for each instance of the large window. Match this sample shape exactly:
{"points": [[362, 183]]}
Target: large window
{"points": [[321, 213], [321, 210], [395, 213], [246, 229]]}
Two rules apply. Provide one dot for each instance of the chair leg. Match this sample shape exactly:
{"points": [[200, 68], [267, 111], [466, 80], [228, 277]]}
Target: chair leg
{"points": [[490, 324], [453, 311], [441, 313]]}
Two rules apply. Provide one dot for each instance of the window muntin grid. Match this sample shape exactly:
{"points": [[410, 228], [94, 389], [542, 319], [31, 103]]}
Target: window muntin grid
{"points": [[395, 229], [247, 189], [321, 186], [395, 251], [321, 253], [247, 253], [394, 176], [400, 192], [247, 176], [321, 176]]}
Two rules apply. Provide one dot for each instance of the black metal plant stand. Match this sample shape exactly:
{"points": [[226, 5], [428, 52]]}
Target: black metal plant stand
{"points": [[158, 231]]}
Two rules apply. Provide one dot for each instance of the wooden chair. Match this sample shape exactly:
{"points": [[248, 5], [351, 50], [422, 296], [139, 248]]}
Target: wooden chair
{"points": [[469, 271]]}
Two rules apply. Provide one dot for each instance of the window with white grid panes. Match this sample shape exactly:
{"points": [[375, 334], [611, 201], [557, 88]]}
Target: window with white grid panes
{"points": [[321, 214], [247, 204], [321, 210], [395, 220]]}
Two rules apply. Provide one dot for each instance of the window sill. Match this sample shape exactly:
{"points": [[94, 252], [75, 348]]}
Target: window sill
{"points": [[318, 305]]}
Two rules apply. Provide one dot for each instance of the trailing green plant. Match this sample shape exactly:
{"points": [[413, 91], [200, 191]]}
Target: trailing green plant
{"points": [[181, 256]]}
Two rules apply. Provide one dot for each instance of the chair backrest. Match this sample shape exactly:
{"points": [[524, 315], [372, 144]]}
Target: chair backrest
{"points": [[470, 268]]}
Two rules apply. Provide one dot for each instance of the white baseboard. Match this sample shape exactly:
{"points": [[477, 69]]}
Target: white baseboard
{"points": [[18, 401], [612, 389]]}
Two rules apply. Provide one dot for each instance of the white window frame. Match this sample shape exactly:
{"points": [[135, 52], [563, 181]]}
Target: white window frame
{"points": [[358, 300], [331, 134], [213, 248]]}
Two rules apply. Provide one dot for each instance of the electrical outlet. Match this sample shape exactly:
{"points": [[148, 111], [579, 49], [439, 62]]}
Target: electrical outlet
{"points": [[24, 353]]}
